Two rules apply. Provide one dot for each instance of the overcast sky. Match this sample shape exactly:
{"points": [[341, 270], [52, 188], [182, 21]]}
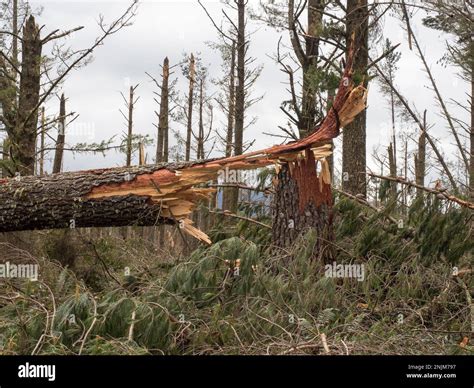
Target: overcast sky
{"points": [[170, 28]]}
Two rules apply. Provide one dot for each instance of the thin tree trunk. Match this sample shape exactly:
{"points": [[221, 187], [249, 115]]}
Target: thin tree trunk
{"points": [[192, 74], [471, 135], [15, 34], [420, 160], [239, 97], [228, 194], [231, 108], [310, 68], [42, 142], [162, 144], [330, 159], [393, 171], [130, 127], [58, 156], [200, 139]]}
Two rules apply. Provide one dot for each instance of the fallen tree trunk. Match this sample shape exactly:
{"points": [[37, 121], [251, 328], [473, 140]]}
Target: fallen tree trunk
{"points": [[162, 193]]}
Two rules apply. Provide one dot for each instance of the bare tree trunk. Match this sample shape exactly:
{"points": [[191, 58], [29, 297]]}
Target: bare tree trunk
{"points": [[405, 173], [42, 142], [240, 89], [471, 135], [228, 194], [233, 197], [58, 156], [200, 139], [393, 171], [15, 34], [162, 144], [354, 139], [23, 138], [420, 160], [130, 127], [192, 75], [310, 68], [231, 108]]}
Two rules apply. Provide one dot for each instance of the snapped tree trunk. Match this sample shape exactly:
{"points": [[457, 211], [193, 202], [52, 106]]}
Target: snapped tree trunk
{"points": [[303, 198], [23, 135], [167, 193], [162, 143]]}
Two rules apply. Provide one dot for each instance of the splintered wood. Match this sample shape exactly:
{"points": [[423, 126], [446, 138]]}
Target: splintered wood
{"points": [[168, 193]]}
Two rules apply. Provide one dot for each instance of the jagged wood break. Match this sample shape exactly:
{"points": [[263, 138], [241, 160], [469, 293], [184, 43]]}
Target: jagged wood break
{"points": [[164, 193]]}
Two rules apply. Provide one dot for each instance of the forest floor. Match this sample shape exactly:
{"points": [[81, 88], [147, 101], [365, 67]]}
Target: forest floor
{"points": [[109, 295]]}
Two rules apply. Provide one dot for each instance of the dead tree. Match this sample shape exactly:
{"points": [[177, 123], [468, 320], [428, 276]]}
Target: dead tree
{"points": [[58, 156], [42, 142], [130, 104], [23, 136], [203, 136], [21, 122], [189, 127], [420, 160], [162, 147]]}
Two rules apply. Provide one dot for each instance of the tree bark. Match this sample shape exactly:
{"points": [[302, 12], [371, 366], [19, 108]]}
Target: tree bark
{"points": [[42, 142], [471, 135], [303, 199], [23, 136], [309, 112], [393, 170], [354, 139], [162, 143]]}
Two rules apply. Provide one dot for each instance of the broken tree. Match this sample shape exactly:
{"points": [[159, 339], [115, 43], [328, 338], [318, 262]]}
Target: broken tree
{"points": [[167, 193]]}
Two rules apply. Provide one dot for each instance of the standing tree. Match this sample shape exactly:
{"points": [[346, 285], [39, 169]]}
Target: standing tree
{"points": [[58, 157], [354, 138], [389, 67], [129, 104], [235, 41], [189, 127], [162, 147], [21, 120], [455, 18]]}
